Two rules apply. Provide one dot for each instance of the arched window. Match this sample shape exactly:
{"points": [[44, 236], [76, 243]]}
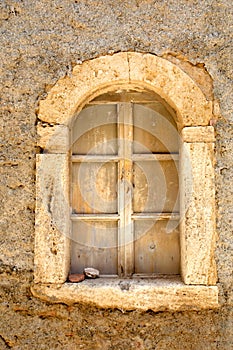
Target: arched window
{"points": [[125, 201], [111, 138]]}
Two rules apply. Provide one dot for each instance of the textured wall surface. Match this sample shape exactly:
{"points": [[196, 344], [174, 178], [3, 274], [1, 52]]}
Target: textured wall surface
{"points": [[42, 41]]}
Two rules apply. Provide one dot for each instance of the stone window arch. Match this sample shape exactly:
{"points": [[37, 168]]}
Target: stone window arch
{"points": [[127, 71]]}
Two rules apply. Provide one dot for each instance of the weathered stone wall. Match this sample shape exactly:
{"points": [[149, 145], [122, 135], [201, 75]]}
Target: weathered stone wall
{"points": [[42, 41]]}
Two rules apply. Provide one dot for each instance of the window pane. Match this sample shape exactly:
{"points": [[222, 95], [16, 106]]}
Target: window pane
{"points": [[154, 129], [94, 188], [155, 186], [95, 131], [94, 245], [157, 247]]}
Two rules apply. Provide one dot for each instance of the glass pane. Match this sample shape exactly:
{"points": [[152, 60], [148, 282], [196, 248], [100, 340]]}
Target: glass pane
{"points": [[94, 188], [155, 186], [95, 131], [157, 247], [154, 129], [94, 245]]}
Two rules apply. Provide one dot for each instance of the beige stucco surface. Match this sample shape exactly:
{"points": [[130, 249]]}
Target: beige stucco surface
{"points": [[43, 41]]}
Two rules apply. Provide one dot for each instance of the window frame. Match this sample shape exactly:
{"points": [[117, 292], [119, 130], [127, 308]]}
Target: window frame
{"points": [[123, 107], [197, 288]]}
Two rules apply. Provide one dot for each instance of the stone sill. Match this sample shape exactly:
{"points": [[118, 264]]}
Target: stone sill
{"points": [[131, 294]]}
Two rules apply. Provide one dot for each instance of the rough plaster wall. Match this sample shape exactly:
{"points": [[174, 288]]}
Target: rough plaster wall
{"points": [[42, 41]]}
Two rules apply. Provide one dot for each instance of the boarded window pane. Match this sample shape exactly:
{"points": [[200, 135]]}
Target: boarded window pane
{"points": [[157, 247], [94, 188], [154, 129], [95, 131], [94, 245], [155, 186]]}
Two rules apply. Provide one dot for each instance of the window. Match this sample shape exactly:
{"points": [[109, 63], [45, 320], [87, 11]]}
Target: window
{"points": [[195, 288], [125, 207]]}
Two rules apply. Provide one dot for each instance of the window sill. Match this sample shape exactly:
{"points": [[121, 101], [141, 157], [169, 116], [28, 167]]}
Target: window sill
{"points": [[131, 294]]}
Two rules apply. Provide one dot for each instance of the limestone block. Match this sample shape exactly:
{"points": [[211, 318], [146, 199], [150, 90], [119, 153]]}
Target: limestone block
{"points": [[52, 219], [87, 82], [197, 197], [156, 295], [176, 87], [198, 134], [53, 139]]}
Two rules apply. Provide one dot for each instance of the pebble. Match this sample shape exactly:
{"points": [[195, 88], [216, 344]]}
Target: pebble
{"points": [[76, 277], [91, 272]]}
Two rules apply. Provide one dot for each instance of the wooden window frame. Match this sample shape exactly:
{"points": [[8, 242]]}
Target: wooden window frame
{"points": [[197, 287], [125, 157]]}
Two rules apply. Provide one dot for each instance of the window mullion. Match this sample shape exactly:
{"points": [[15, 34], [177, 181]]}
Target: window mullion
{"points": [[125, 136]]}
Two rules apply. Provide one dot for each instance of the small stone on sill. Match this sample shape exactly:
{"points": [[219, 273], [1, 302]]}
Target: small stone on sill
{"points": [[76, 277], [91, 272]]}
